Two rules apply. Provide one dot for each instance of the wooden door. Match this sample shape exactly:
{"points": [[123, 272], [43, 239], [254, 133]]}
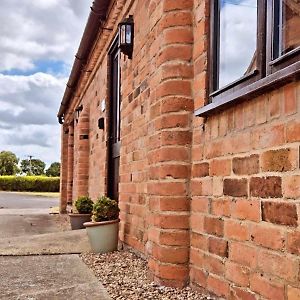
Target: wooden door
{"points": [[114, 128]]}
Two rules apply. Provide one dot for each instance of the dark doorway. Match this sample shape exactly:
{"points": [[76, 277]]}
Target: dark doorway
{"points": [[114, 121]]}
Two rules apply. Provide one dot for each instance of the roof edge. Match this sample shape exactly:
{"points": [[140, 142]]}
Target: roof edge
{"points": [[97, 15]]}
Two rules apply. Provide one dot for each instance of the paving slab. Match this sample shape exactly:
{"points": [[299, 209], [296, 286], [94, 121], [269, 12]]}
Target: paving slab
{"points": [[17, 223], [37, 259], [48, 277], [65, 242]]}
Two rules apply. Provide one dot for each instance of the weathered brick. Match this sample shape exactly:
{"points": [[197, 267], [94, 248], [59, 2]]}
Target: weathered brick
{"points": [[266, 187], [178, 35], [281, 160], [172, 121], [280, 213], [291, 186], [172, 272], [237, 293], [214, 226], [235, 187], [278, 265], [176, 18], [237, 274], [236, 230], [214, 264], [202, 187], [169, 5], [293, 242], [199, 241], [243, 254], [196, 257], [267, 236], [221, 207], [246, 165], [266, 287], [246, 209], [268, 136], [172, 221], [293, 131], [220, 167], [198, 276], [200, 170], [290, 100], [218, 286], [293, 293], [200, 204], [170, 254], [174, 238], [275, 104], [218, 246]]}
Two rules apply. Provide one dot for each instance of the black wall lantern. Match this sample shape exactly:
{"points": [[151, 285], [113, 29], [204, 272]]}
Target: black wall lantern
{"points": [[77, 112], [126, 36]]}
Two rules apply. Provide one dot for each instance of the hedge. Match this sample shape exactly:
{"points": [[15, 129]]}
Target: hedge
{"points": [[29, 183]]}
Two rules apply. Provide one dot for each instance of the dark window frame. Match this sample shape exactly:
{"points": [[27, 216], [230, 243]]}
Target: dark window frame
{"points": [[275, 64], [270, 73]]}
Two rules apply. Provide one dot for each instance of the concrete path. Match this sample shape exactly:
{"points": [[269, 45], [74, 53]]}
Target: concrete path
{"points": [[19, 200], [48, 277], [67, 242], [28, 235]]}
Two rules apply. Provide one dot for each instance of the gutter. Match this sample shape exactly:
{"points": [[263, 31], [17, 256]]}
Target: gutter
{"points": [[96, 17]]}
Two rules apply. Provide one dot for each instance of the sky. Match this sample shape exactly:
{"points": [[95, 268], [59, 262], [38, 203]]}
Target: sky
{"points": [[38, 41], [238, 26]]}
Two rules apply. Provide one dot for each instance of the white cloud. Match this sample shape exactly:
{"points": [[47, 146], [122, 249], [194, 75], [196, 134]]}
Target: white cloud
{"points": [[31, 32], [28, 107], [34, 30]]}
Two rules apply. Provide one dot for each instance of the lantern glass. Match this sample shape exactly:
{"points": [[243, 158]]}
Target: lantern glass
{"points": [[123, 34], [128, 34]]}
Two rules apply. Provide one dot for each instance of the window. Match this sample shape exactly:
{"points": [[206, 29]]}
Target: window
{"points": [[285, 33], [253, 44]]}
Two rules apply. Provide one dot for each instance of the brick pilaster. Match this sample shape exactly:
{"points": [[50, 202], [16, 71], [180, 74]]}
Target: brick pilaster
{"points": [[81, 164], [70, 164], [64, 171], [169, 144]]}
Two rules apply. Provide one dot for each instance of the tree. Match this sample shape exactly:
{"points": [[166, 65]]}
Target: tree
{"points": [[53, 170], [33, 166], [8, 163]]}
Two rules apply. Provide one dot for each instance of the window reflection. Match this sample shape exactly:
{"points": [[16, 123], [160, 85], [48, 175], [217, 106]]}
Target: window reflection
{"points": [[290, 25], [237, 41]]}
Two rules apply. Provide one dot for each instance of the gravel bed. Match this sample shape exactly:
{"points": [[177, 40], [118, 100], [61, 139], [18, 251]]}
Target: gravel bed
{"points": [[124, 275]]}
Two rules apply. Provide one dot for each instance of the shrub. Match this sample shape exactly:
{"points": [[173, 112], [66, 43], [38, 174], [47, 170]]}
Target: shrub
{"points": [[29, 183], [105, 209], [84, 205]]}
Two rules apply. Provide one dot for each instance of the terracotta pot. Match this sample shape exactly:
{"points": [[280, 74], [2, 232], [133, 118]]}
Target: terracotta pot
{"points": [[77, 220], [103, 236]]}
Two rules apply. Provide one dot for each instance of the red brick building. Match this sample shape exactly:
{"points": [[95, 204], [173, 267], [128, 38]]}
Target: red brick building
{"points": [[197, 136]]}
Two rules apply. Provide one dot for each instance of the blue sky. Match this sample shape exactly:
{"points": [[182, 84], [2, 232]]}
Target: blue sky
{"points": [[38, 41], [49, 66]]}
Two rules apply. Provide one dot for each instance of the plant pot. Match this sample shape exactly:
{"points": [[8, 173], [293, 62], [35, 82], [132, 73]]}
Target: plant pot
{"points": [[103, 236], [77, 220]]}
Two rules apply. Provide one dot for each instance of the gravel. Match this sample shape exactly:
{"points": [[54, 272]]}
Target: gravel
{"points": [[124, 275]]}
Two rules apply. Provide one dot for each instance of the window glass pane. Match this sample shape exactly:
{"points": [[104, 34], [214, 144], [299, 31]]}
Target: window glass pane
{"points": [[128, 34], [237, 40], [290, 25]]}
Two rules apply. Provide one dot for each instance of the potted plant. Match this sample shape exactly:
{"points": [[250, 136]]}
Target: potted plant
{"points": [[84, 207], [103, 230]]}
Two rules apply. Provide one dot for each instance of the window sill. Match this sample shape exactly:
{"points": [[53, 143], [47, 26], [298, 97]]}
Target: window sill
{"points": [[266, 84]]}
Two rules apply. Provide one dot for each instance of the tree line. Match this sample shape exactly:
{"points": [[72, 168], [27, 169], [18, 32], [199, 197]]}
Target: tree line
{"points": [[10, 164]]}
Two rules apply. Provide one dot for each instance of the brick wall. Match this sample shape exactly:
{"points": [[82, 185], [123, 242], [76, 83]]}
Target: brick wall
{"points": [[214, 201], [245, 191]]}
